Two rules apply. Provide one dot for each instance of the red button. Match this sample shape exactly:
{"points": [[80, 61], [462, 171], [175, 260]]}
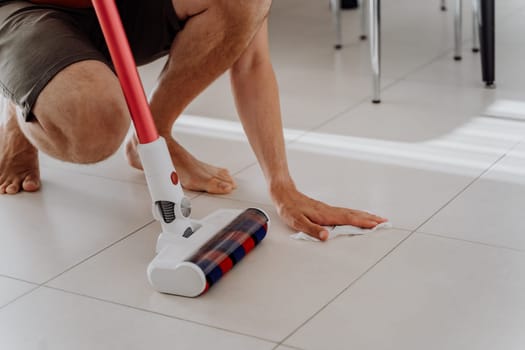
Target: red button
{"points": [[174, 178]]}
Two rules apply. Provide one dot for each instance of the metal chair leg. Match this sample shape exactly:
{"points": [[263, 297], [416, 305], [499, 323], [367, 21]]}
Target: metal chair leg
{"points": [[364, 19], [443, 5], [336, 15], [374, 9], [458, 27], [475, 25]]}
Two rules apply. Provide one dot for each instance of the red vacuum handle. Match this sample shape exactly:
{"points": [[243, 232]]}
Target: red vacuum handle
{"points": [[117, 41]]}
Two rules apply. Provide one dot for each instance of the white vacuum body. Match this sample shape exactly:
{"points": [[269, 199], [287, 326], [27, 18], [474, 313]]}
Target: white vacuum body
{"points": [[193, 255]]}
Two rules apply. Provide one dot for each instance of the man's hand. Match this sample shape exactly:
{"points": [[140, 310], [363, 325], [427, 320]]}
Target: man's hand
{"points": [[305, 214]]}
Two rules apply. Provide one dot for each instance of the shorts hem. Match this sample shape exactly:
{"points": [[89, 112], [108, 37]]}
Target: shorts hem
{"points": [[45, 78]]}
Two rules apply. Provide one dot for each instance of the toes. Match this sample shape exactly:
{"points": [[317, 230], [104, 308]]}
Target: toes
{"points": [[216, 186], [224, 175], [13, 188], [31, 183]]}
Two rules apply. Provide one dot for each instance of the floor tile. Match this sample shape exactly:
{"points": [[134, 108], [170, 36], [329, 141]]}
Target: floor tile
{"points": [[491, 210], [430, 293], [50, 319], [270, 293], [72, 217], [11, 289]]}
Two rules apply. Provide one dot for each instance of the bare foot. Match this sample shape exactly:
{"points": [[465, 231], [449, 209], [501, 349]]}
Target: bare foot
{"points": [[194, 175], [18, 159]]}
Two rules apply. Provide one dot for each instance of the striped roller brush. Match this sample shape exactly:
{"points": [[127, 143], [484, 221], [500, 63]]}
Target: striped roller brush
{"points": [[230, 245]]}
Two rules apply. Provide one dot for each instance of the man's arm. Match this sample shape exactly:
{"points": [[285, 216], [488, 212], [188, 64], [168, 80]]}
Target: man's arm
{"points": [[257, 99]]}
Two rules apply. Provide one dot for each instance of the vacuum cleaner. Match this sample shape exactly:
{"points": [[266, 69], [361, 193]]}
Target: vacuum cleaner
{"points": [[192, 255]]}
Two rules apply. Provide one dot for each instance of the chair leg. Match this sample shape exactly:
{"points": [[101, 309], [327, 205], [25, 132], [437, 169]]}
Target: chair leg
{"points": [[336, 15], [443, 5], [364, 19], [375, 46], [475, 25], [458, 28]]}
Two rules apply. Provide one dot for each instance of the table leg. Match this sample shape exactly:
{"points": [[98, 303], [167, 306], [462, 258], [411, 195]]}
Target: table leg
{"points": [[488, 41]]}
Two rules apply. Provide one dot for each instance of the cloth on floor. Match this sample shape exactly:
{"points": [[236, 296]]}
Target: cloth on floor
{"points": [[335, 231]]}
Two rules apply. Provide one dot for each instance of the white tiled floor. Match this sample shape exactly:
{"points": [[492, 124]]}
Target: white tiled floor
{"points": [[438, 157], [64, 321]]}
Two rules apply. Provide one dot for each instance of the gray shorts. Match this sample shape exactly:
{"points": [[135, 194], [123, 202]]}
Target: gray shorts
{"points": [[38, 41]]}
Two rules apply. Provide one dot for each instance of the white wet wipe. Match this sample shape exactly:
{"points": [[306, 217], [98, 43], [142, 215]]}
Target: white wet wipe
{"points": [[336, 231]]}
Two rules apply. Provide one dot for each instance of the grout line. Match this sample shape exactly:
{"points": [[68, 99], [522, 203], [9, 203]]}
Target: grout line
{"points": [[157, 313], [497, 117], [472, 242], [396, 246], [19, 297], [98, 252], [288, 346], [18, 279], [469, 184]]}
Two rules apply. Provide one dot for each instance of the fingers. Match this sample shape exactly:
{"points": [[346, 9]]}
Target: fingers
{"points": [[379, 219], [342, 216], [303, 224], [363, 221]]}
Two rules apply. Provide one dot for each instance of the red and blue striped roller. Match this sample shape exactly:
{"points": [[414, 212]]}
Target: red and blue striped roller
{"points": [[231, 244]]}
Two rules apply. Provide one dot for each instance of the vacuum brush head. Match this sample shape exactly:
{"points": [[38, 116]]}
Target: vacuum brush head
{"points": [[190, 266]]}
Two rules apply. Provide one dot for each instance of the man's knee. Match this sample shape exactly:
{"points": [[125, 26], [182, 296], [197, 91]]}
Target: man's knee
{"points": [[83, 114], [105, 125]]}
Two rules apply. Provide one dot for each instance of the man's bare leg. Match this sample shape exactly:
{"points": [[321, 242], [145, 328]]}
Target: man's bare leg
{"points": [[215, 35], [18, 157], [74, 123]]}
